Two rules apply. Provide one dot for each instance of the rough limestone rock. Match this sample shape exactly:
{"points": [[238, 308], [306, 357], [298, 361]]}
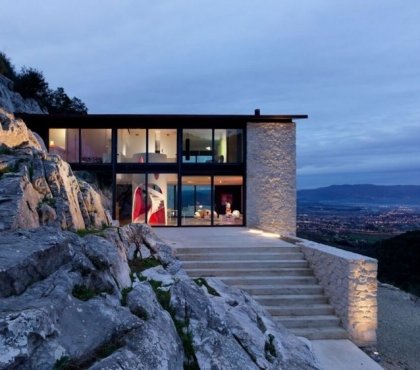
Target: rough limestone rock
{"points": [[40, 189], [232, 331], [73, 302], [155, 343], [13, 101], [40, 319], [94, 212], [14, 133]]}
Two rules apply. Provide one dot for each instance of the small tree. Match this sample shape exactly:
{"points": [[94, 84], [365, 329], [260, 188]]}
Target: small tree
{"points": [[77, 106], [30, 83], [60, 102], [6, 67]]}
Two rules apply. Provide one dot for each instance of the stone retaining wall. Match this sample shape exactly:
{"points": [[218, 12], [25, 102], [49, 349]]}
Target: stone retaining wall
{"points": [[271, 177], [350, 281]]}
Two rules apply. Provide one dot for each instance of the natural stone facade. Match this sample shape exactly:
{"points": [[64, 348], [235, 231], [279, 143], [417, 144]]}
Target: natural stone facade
{"points": [[271, 177], [350, 282]]}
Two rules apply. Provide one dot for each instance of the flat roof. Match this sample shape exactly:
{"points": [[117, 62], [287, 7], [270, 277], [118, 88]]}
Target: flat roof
{"points": [[72, 120]]}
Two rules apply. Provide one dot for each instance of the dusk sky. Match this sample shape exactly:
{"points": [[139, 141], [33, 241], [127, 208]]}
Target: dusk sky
{"points": [[352, 66]]}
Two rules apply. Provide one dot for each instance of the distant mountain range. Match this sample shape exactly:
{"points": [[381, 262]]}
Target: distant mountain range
{"points": [[363, 194]]}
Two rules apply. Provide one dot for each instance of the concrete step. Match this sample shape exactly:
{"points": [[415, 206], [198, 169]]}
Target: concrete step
{"points": [[334, 332], [289, 299], [270, 280], [301, 310], [277, 290], [246, 272], [238, 250], [263, 265], [256, 256], [318, 321]]}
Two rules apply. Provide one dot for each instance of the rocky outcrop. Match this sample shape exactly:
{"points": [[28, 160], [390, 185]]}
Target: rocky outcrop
{"points": [[94, 302], [14, 133], [13, 101], [37, 188]]}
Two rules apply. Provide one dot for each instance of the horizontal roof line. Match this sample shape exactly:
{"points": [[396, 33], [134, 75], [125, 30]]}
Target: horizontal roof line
{"points": [[251, 118]]}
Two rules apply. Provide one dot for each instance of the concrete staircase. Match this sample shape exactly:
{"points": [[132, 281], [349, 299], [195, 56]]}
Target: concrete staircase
{"points": [[278, 277]]}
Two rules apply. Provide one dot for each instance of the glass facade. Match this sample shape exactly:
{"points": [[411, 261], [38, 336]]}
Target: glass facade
{"points": [[228, 145], [161, 176], [96, 145], [196, 200], [162, 146], [228, 200], [131, 145], [162, 199], [65, 143], [151, 199], [197, 146]]}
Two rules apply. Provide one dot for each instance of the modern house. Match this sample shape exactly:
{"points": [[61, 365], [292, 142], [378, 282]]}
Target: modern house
{"points": [[224, 170], [184, 170]]}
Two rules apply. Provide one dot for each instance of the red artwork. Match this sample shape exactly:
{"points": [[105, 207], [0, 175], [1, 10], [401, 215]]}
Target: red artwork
{"points": [[155, 205]]}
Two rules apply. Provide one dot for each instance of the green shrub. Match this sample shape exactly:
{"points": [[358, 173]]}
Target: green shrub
{"points": [[201, 281], [138, 265], [83, 292], [124, 294], [6, 67]]}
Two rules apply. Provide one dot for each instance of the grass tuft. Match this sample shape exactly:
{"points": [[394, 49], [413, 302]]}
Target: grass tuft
{"points": [[201, 281], [138, 265], [124, 294], [83, 293]]}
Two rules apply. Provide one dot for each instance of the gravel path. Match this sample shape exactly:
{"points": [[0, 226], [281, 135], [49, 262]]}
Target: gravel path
{"points": [[398, 329]]}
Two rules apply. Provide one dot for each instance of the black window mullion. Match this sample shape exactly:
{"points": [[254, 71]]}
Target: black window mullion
{"points": [[212, 200], [114, 171], [212, 146], [179, 158], [80, 145], [147, 145], [146, 202]]}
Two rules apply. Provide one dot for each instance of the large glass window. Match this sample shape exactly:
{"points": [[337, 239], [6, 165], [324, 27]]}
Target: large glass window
{"points": [[228, 199], [96, 145], [228, 145], [197, 146], [196, 200], [131, 145], [65, 143], [162, 145], [162, 199], [131, 198], [156, 204]]}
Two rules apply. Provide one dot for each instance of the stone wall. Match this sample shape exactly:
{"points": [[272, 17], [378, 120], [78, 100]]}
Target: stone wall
{"points": [[349, 280], [271, 177]]}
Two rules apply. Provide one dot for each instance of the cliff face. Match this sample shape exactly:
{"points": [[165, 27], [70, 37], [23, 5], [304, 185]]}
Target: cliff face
{"points": [[12, 101], [37, 188]]}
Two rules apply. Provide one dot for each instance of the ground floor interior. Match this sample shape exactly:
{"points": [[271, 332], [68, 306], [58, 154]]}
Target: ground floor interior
{"points": [[169, 199]]}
